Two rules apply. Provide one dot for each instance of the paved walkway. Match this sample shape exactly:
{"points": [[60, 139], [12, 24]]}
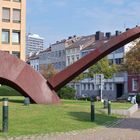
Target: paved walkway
{"points": [[127, 129]]}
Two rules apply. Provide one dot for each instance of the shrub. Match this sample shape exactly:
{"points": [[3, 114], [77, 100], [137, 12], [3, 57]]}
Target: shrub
{"points": [[66, 93], [138, 98], [8, 91]]}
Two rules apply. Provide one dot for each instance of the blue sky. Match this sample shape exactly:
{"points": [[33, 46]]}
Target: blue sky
{"points": [[58, 19]]}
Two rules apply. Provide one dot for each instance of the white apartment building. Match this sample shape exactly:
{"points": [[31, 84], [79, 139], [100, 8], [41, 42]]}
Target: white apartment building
{"points": [[34, 61], [34, 43], [73, 52], [56, 53]]}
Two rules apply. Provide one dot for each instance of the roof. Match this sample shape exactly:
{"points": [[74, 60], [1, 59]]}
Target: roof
{"points": [[83, 42], [34, 36], [46, 50]]}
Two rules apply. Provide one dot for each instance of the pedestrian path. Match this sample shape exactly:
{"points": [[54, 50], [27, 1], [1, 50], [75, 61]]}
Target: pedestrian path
{"points": [[127, 129]]}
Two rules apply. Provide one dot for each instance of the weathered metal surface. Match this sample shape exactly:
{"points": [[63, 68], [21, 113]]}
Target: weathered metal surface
{"points": [[102, 49], [21, 76]]}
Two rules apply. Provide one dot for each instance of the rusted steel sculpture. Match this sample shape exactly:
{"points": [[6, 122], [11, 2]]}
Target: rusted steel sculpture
{"points": [[22, 77], [102, 49]]}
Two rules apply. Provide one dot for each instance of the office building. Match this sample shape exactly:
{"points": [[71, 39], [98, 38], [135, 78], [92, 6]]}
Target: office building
{"points": [[34, 43], [13, 27]]}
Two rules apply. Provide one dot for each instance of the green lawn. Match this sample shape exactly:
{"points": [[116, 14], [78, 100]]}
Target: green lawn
{"points": [[42, 119]]}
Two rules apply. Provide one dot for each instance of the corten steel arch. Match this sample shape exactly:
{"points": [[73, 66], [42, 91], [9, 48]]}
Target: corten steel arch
{"points": [[22, 77], [27, 81], [102, 49]]}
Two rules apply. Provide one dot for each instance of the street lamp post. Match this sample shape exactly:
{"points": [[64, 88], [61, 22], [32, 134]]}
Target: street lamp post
{"points": [[99, 79]]}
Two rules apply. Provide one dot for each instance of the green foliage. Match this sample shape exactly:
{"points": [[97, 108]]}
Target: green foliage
{"points": [[102, 67], [132, 60], [66, 93], [8, 91], [138, 98], [78, 78]]}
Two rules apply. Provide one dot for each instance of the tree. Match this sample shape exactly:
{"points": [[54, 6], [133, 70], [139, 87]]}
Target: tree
{"points": [[132, 60], [67, 93], [48, 71], [102, 67]]}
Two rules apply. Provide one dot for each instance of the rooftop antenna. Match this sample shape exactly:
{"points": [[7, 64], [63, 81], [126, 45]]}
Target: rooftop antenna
{"points": [[29, 30], [124, 26]]}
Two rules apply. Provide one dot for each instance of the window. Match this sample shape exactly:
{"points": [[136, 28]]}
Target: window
{"points": [[110, 61], [16, 54], [84, 86], [93, 86], [6, 14], [77, 57], [110, 86], [134, 84], [17, 0], [16, 37], [16, 15], [5, 36], [88, 86], [118, 60]]}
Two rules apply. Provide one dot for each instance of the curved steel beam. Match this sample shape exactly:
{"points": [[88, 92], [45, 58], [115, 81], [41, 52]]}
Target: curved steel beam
{"points": [[102, 49], [22, 77]]}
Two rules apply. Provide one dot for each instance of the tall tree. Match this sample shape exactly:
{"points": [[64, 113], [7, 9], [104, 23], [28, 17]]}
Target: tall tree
{"points": [[102, 67], [48, 71], [132, 60]]}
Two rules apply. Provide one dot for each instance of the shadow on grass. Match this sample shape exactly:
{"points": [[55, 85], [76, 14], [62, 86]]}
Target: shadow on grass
{"points": [[86, 117], [104, 120], [14, 100]]}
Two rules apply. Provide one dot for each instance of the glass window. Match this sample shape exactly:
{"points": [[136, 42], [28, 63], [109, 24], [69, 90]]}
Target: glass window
{"points": [[6, 14], [88, 86], [16, 37], [16, 15], [5, 36], [77, 57], [17, 0], [16, 54], [118, 60], [134, 84]]}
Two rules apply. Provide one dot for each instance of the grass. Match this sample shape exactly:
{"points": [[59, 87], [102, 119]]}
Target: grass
{"points": [[41, 119]]}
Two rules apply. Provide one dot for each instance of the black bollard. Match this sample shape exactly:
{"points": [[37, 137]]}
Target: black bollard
{"points": [[109, 107], [92, 111], [5, 115]]}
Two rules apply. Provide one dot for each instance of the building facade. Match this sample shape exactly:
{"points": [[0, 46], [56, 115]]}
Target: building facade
{"points": [[56, 53], [133, 84], [112, 89], [34, 61], [121, 83], [13, 27], [73, 52], [34, 43]]}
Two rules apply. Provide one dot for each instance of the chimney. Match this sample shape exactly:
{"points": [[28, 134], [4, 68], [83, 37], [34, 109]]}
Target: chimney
{"points": [[127, 29], [108, 35], [99, 35], [117, 33], [70, 37]]}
